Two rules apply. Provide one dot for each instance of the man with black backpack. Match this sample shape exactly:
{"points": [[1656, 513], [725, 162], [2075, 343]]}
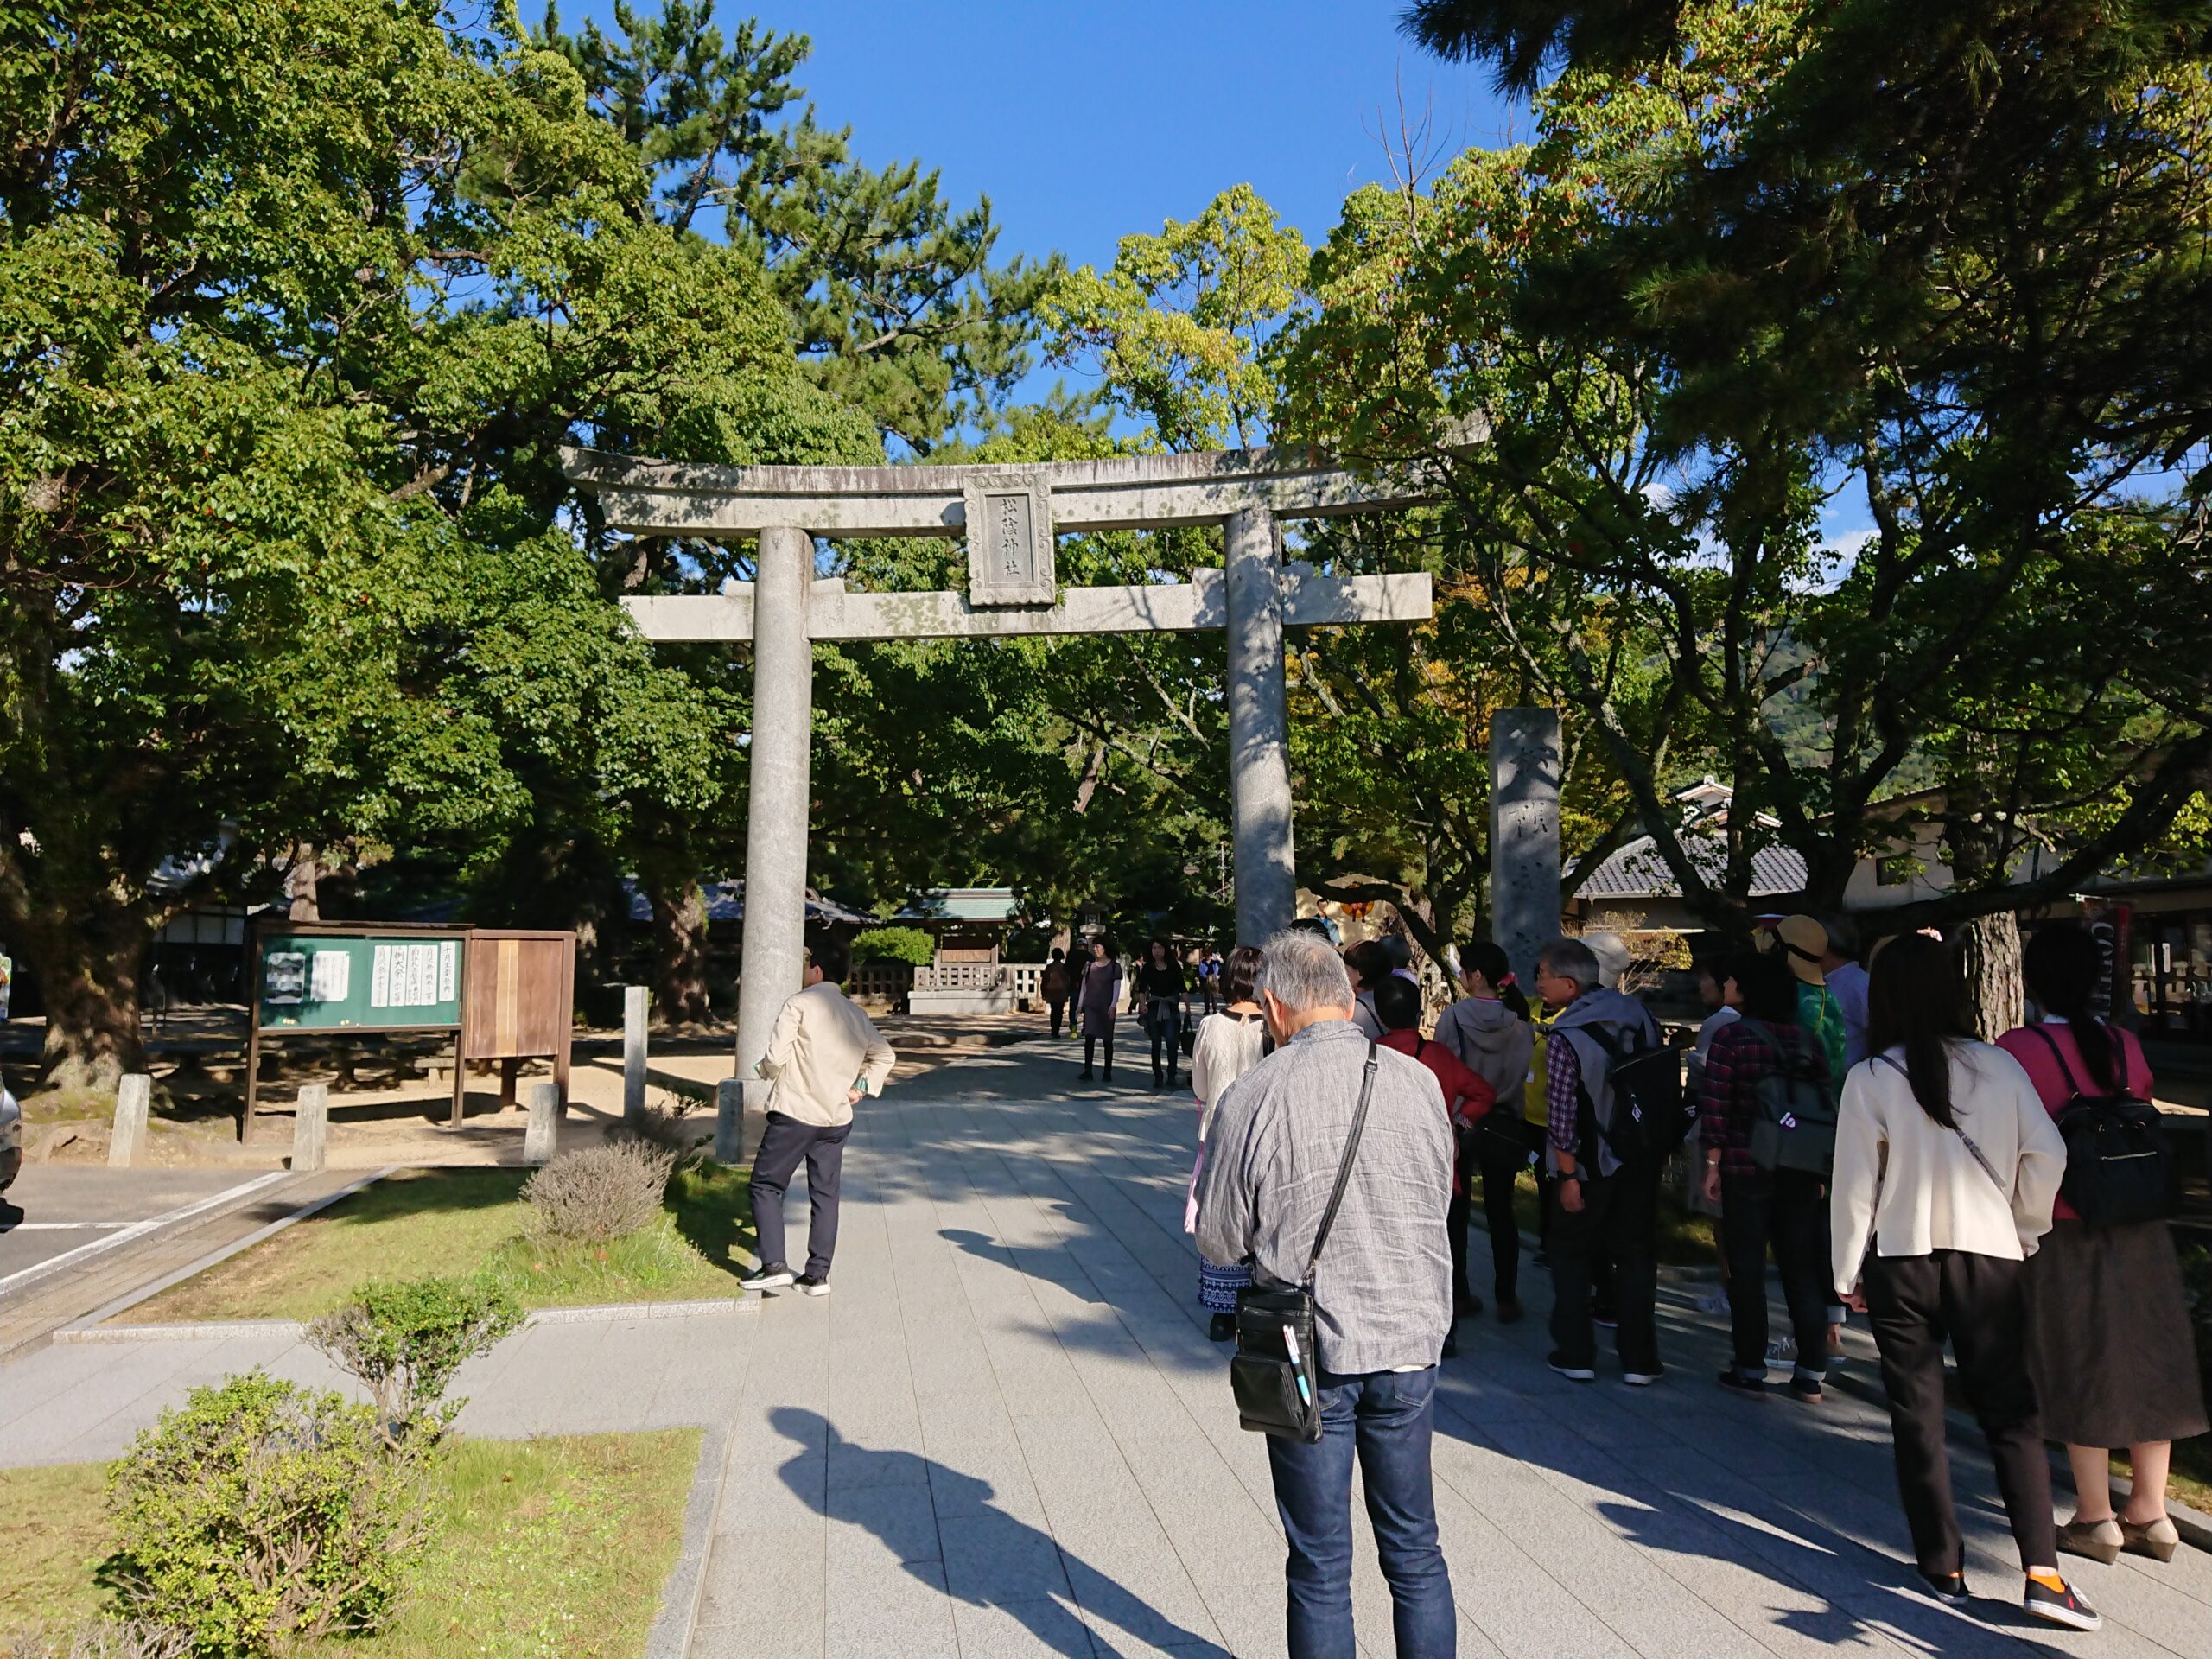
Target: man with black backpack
{"points": [[1769, 1144], [1614, 1112]]}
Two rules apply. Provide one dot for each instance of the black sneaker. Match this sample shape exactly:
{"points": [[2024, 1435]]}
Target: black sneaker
{"points": [[814, 1284], [1736, 1383], [1086, 1075], [1806, 1388], [777, 1275], [1571, 1373], [1643, 1379], [1222, 1327], [1949, 1588], [1605, 1321], [1466, 1307], [1509, 1309], [2060, 1607]]}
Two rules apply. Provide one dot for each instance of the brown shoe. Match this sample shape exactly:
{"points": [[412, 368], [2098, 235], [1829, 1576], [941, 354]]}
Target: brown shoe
{"points": [[2097, 1541], [2156, 1539]]}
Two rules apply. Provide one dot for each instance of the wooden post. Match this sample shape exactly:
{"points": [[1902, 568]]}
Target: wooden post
{"points": [[543, 1136], [636, 1005], [310, 1121], [126, 1146], [252, 1052], [510, 1068], [461, 1065], [568, 1019]]}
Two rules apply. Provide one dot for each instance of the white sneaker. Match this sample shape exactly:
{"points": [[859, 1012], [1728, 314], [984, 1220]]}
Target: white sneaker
{"points": [[1716, 1303], [774, 1276]]}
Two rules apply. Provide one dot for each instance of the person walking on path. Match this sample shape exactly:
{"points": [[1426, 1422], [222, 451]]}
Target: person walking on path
{"points": [[1228, 1044], [1209, 968], [1946, 1167], [1383, 1287], [1804, 943], [1765, 1048], [1713, 983], [1608, 1207], [1467, 1100], [1097, 1001], [1053, 985], [824, 1056], [2108, 1343], [1159, 987], [1488, 1031], [1847, 984]]}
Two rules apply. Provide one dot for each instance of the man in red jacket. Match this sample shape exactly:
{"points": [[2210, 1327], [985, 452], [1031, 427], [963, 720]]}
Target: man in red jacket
{"points": [[1466, 1097]]}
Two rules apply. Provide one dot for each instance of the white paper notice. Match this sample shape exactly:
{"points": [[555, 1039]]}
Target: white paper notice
{"points": [[330, 977], [448, 962], [380, 977]]}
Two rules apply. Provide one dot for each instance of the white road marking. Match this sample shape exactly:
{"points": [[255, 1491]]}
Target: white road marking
{"points": [[62, 1226], [138, 1229]]}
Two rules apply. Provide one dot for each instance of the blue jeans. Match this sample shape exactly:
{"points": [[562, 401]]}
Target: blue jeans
{"points": [[1387, 1417]]}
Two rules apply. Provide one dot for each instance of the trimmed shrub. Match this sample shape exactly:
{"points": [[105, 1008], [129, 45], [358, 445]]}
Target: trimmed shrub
{"points": [[669, 1127], [600, 1192], [907, 944], [109, 1639], [260, 1514], [405, 1338]]}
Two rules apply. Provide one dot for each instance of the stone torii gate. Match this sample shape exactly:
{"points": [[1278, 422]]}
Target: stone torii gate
{"points": [[1009, 516]]}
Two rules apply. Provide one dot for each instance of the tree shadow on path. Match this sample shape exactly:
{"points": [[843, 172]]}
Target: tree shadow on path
{"points": [[988, 1558]]}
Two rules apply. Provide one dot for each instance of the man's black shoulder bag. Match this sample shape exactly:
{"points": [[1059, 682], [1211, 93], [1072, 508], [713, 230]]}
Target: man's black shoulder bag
{"points": [[1276, 1370]]}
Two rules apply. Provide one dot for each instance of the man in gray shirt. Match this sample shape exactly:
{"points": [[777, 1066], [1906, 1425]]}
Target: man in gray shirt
{"points": [[1383, 1288]]}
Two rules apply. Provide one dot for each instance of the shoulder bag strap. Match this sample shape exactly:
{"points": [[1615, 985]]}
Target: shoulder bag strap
{"points": [[2066, 1071], [1989, 1169], [1343, 1165]]}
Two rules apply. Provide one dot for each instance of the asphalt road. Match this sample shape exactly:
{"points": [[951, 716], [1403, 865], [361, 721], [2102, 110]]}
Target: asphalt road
{"points": [[53, 1209]]}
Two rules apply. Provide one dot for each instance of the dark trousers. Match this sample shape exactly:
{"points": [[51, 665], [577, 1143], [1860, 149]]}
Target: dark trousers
{"points": [[1787, 1209], [1914, 1301], [1165, 1029], [1616, 1223], [1387, 1418], [1057, 1008], [1501, 1166], [783, 1143], [1089, 1043]]}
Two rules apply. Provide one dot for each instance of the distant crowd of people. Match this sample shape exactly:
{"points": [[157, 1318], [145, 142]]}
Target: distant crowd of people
{"points": [[1842, 1117]]}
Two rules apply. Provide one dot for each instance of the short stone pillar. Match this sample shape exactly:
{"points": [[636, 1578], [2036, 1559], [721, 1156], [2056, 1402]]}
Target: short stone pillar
{"points": [[1525, 763], [310, 1128], [776, 813], [730, 1126], [636, 1011], [133, 1098], [542, 1137], [1259, 731]]}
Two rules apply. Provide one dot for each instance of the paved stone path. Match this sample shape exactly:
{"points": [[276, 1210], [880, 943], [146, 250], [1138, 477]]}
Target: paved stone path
{"points": [[1006, 1434]]}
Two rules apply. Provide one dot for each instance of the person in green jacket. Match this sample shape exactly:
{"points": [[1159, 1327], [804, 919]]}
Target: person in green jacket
{"points": [[1804, 942]]}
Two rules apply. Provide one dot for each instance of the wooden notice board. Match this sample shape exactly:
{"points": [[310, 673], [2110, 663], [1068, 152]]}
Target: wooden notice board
{"points": [[506, 993]]}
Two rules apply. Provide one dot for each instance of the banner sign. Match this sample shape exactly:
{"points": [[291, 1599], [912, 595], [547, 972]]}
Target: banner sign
{"points": [[328, 981]]}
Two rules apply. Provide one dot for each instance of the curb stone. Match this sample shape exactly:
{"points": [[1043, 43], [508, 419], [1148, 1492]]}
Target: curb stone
{"points": [[679, 1618], [221, 1330]]}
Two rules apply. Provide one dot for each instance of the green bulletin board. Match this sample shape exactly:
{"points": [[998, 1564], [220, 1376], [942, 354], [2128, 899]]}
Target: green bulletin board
{"points": [[333, 982]]}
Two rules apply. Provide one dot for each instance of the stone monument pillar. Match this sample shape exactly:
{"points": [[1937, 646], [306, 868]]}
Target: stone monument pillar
{"points": [[776, 819], [1524, 775], [1259, 731]]}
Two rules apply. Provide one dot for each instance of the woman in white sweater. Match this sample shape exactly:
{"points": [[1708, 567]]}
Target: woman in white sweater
{"points": [[1946, 1165], [1228, 1044]]}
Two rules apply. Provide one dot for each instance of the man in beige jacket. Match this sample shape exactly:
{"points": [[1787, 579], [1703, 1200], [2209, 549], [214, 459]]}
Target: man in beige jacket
{"points": [[825, 1056]]}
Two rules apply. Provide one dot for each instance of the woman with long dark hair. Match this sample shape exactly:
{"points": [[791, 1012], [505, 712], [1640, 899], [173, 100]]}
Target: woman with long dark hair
{"points": [[1228, 1044], [1488, 1031], [1159, 981], [2107, 1320], [1946, 1165]]}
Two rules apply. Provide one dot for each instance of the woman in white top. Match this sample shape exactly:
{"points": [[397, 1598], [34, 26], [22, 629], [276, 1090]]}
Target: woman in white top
{"points": [[1946, 1165], [1228, 1044]]}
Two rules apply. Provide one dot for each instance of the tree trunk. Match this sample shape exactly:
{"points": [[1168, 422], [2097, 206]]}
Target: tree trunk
{"points": [[90, 982], [304, 906], [1989, 957], [680, 954]]}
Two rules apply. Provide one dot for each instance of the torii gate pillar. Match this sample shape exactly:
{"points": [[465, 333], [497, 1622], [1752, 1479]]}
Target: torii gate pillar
{"points": [[1259, 731]]}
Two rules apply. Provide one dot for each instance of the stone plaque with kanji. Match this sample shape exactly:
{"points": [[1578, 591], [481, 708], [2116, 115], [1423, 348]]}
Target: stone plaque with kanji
{"points": [[1009, 539]]}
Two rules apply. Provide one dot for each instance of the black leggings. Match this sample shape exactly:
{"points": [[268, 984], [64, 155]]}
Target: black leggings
{"points": [[1057, 1009], [1090, 1043], [1501, 1166]]}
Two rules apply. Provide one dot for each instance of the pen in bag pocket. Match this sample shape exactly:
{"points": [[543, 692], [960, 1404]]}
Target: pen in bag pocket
{"points": [[1290, 1346]]}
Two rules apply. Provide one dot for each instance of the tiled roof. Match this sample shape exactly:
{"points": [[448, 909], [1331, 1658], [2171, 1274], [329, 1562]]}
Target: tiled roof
{"points": [[726, 903], [1637, 871], [961, 905]]}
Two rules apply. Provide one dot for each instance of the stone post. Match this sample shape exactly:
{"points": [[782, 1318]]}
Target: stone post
{"points": [[126, 1146], [776, 816], [310, 1125], [729, 1118], [1259, 731], [1524, 774], [636, 1006], [541, 1137]]}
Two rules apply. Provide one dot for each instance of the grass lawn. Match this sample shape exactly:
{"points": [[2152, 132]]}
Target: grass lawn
{"points": [[461, 1221], [551, 1547]]}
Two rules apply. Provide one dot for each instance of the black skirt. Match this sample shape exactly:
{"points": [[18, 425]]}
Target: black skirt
{"points": [[2108, 1336]]}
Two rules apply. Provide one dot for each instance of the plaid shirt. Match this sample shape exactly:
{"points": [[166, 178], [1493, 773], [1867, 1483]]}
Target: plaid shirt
{"points": [[1728, 1100]]}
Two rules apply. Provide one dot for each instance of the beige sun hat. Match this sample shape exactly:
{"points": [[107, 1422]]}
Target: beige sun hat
{"points": [[1804, 942]]}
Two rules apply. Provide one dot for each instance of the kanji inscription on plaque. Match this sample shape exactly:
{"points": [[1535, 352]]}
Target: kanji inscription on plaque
{"points": [[1009, 539]]}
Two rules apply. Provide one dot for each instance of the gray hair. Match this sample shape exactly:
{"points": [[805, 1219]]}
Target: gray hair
{"points": [[1571, 959], [1302, 970]]}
